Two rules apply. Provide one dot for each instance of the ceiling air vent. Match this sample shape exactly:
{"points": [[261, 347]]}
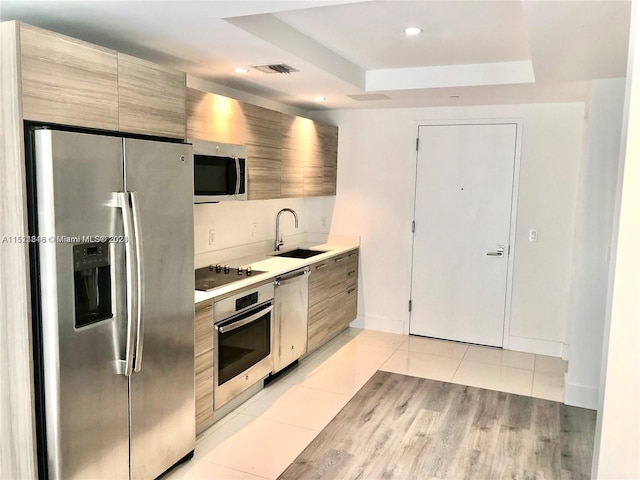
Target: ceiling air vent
{"points": [[275, 68], [366, 97]]}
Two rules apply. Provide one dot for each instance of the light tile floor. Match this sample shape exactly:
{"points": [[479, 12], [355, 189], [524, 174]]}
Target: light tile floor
{"points": [[261, 437]]}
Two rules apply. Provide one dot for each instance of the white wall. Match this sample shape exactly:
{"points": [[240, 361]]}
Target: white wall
{"points": [[376, 174], [617, 448], [593, 241]]}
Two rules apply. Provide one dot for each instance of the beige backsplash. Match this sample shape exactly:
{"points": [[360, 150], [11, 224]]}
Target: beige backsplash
{"points": [[235, 235]]}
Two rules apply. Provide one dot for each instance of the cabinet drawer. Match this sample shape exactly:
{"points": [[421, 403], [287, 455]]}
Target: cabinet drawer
{"points": [[350, 304], [319, 282]]}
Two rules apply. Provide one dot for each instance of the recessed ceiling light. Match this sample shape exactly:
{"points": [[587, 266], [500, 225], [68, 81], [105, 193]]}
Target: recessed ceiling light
{"points": [[240, 70], [319, 99], [412, 31]]}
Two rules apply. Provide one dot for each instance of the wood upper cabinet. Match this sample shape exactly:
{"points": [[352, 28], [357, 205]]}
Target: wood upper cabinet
{"points": [[221, 119], [72, 82], [214, 117], [67, 81], [263, 138], [151, 98], [309, 158], [293, 146], [288, 156], [328, 135]]}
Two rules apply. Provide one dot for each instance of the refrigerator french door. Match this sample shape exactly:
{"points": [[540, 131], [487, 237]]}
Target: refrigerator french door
{"points": [[115, 256]]}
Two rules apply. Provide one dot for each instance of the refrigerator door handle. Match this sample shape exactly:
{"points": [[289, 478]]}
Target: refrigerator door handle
{"points": [[135, 208], [130, 265]]}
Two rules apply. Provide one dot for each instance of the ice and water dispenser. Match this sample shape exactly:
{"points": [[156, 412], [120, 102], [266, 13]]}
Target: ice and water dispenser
{"points": [[92, 283]]}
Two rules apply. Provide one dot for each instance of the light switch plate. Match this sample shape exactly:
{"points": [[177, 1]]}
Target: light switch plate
{"points": [[533, 235]]}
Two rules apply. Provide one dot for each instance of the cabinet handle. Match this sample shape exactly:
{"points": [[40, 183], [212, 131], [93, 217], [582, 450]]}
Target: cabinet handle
{"points": [[352, 272], [353, 253], [339, 259], [351, 290], [321, 266]]}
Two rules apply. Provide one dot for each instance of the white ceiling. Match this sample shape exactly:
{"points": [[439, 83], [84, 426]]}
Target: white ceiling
{"points": [[484, 52]]}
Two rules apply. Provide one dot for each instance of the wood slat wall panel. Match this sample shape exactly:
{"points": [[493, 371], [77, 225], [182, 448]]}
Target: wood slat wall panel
{"points": [[68, 81], [151, 98]]}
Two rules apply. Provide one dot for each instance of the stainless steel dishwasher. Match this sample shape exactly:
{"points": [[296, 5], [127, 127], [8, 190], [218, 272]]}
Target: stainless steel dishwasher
{"points": [[291, 306]]}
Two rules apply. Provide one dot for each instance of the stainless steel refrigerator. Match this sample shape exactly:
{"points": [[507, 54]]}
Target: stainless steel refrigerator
{"points": [[113, 274]]}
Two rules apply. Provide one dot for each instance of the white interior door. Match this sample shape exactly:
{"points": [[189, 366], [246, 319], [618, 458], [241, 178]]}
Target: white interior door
{"points": [[464, 188]]}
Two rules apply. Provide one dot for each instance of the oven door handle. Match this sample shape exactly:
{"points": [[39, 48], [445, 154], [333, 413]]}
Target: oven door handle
{"points": [[232, 326]]}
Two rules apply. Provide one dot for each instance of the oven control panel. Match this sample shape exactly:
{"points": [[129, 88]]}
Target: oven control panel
{"points": [[241, 301]]}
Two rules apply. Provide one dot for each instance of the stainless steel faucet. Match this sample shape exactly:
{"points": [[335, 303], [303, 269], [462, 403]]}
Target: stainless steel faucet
{"points": [[279, 241]]}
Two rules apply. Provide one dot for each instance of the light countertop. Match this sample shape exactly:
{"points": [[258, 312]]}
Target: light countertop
{"points": [[274, 266]]}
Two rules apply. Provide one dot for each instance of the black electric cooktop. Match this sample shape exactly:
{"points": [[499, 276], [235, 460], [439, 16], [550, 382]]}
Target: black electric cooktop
{"points": [[214, 276]]}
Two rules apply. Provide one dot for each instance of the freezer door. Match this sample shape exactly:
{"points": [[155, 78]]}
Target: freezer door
{"points": [[86, 398], [162, 387]]}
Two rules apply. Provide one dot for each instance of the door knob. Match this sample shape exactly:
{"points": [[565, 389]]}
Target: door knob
{"points": [[498, 253]]}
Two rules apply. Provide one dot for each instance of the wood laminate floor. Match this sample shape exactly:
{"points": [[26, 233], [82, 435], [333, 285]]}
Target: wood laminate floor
{"points": [[401, 427]]}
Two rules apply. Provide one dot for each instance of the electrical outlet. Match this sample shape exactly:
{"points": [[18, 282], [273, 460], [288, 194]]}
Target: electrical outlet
{"points": [[323, 221], [254, 229], [212, 236]]}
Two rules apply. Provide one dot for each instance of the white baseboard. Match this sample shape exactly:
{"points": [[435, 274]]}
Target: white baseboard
{"points": [[581, 396], [533, 345], [381, 324]]}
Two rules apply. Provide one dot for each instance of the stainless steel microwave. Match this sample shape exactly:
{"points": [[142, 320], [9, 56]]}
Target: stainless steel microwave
{"points": [[219, 172]]}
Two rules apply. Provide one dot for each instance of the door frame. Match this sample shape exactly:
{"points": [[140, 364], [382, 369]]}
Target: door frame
{"points": [[518, 122]]}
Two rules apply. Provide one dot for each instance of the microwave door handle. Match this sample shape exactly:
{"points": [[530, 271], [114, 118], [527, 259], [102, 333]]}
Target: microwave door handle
{"points": [[237, 160], [139, 293]]}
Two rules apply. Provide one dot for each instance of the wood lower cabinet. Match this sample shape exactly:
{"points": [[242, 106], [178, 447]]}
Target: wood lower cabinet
{"points": [[319, 311], [204, 365], [151, 98], [333, 294], [67, 81], [351, 287]]}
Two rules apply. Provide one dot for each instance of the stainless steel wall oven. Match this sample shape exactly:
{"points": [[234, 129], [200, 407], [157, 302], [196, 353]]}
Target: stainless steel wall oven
{"points": [[241, 341]]}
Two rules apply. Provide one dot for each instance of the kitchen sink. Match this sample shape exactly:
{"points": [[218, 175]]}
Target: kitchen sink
{"points": [[299, 253]]}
